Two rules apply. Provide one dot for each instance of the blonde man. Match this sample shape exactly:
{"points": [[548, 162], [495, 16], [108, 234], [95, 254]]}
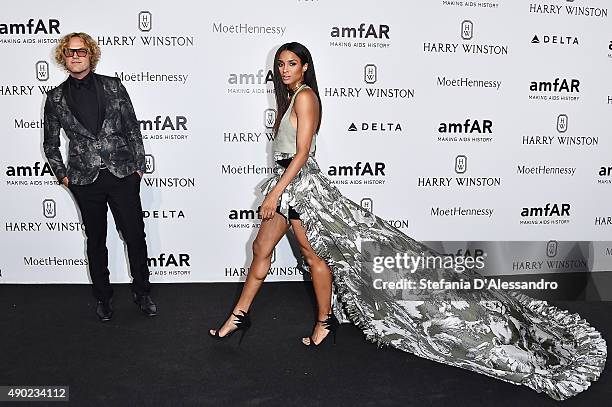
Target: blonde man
{"points": [[106, 161]]}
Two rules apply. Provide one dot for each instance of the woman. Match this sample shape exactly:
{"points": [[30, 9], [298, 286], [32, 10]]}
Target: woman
{"points": [[297, 97], [508, 336]]}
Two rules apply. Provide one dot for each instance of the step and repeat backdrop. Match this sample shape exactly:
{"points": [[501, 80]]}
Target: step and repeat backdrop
{"points": [[478, 126]]}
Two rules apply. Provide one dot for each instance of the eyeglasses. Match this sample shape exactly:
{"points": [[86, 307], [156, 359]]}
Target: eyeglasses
{"points": [[69, 52]]}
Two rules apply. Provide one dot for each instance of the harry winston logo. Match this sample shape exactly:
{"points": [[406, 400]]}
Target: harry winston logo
{"points": [[42, 70], [562, 123], [273, 259], [460, 164], [370, 74], [367, 204], [149, 164], [467, 30], [145, 20], [269, 118], [551, 248], [49, 208]]}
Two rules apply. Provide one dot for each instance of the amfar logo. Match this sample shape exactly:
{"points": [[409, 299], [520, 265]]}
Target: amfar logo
{"points": [[370, 36], [358, 170], [239, 83], [560, 89], [467, 30], [269, 118], [51, 26], [555, 39], [244, 214], [168, 260], [562, 123], [460, 164], [258, 78], [371, 31], [30, 175], [550, 214], [469, 126], [549, 210], [164, 123], [49, 208], [605, 175], [149, 164], [473, 4], [42, 70], [145, 19], [29, 171], [244, 218], [370, 74], [359, 174], [551, 248]]}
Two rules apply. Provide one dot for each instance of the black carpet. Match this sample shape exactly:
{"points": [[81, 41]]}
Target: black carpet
{"points": [[51, 336]]}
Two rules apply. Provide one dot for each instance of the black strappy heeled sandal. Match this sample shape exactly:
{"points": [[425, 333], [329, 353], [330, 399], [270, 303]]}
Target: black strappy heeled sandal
{"points": [[242, 322], [331, 324]]}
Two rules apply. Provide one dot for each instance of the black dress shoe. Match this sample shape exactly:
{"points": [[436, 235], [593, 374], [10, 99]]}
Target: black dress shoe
{"points": [[104, 310], [146, 304]]}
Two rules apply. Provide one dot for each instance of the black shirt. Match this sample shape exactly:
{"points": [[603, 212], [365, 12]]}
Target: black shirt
{"points": [[85, 101]]}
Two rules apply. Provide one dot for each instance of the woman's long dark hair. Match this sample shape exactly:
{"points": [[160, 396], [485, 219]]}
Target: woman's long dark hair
{"points": [[280, 89]]}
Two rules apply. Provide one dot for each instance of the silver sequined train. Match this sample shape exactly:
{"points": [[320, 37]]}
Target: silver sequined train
{"points": [[508, 336]]}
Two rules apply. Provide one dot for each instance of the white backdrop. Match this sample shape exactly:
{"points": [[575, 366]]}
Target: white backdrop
{"points": [[387, 91]]}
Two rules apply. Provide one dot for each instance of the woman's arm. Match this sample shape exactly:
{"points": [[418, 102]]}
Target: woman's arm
{"points": [[306, 108]]}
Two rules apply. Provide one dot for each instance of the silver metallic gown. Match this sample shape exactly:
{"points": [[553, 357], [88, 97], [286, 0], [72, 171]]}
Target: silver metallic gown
{"points": [[508, 336]]}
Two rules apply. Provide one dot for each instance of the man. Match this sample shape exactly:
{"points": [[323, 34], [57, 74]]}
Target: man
{"points": [[105, 165]]}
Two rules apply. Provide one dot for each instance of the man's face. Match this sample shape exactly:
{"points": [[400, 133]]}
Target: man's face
{"points": [[78, 66]]}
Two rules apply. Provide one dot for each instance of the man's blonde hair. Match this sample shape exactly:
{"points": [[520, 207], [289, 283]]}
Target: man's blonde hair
{"points": [[90, 44]]}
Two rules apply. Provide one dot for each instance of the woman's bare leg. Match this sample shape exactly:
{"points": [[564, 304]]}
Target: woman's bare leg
{"points": [[321, 281], [270, 232]]}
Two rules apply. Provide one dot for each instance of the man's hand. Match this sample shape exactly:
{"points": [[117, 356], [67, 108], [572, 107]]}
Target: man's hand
{"points": [[65, 181]]}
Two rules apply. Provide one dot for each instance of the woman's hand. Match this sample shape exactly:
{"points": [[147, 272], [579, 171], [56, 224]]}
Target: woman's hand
{"points": [[268, 206]]}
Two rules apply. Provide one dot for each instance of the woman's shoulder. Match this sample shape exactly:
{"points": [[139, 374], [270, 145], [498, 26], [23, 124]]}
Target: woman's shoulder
{"points": [[306, 96]]}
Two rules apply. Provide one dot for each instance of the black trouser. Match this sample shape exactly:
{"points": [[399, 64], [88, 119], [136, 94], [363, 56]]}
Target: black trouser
{"points": [[123, 197]]}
